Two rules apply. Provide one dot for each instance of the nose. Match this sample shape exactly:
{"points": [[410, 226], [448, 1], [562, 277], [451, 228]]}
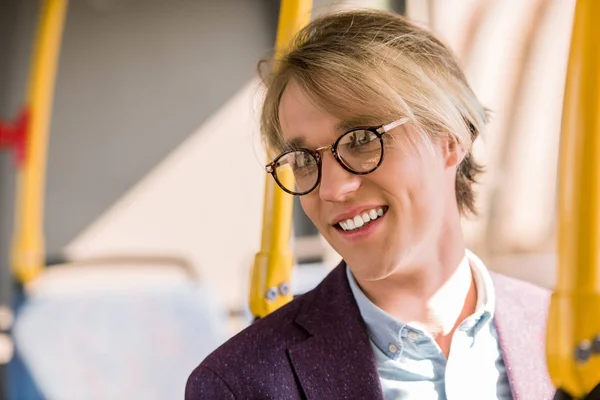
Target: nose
{"points": [[337, 184]]}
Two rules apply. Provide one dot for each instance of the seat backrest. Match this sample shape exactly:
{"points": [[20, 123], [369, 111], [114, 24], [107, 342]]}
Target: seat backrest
{"points": [[116, 332]]}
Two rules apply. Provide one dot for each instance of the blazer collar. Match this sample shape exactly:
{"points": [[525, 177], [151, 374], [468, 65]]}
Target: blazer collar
{"points": [[337, 361], [521, 324]]}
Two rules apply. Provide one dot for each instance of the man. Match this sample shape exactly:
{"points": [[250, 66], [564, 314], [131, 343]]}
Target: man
{"points": [[376, 121]]}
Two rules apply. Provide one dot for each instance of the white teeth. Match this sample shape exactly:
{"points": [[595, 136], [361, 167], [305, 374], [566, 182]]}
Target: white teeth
{"points": [[366, 218], [361, 219], [358, 221]]}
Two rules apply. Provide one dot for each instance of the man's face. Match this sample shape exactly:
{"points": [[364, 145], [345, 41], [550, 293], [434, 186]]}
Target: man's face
{"points": [[411, 188]]}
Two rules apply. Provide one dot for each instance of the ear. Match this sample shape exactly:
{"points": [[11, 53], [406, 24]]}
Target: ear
{"points": [[453, 152]]}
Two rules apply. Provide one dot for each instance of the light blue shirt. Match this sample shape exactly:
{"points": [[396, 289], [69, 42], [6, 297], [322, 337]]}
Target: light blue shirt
{"points": [[411, 364]]}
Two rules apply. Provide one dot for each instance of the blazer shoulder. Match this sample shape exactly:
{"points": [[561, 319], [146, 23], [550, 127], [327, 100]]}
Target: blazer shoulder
{"points": [[508, 283], [519, 293], [521, 320], [255, 363], [261, 340], [280, 329], [239, 367], [205, 383]]}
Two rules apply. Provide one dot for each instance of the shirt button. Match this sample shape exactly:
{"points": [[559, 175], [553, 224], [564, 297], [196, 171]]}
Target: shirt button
{"points": [[413, 335], [468, 325], [393, 348]]}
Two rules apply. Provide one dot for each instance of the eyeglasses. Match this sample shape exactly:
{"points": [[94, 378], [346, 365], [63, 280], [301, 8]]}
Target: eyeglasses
{"points": [[358, 151]]}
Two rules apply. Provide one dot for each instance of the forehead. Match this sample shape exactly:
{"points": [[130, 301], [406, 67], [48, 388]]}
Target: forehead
{"points": [[304, 124], [300, 118]]}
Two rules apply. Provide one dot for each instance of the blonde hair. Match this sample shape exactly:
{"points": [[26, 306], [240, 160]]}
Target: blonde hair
{"points": [[377, 66]]}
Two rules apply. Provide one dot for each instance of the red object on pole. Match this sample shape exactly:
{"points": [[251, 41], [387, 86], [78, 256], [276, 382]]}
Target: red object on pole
{"points": [[14, 136]]}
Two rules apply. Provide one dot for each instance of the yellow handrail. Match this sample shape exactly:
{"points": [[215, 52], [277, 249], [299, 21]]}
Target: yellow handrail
{"points": [[271, 273], [28, 254], [574, 320]]}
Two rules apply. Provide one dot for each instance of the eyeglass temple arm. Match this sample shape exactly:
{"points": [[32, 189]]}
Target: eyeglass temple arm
{"points": [[392, 125]]}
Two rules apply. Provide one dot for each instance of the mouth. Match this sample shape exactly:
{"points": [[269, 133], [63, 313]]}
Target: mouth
{"points": [[362, 220]]}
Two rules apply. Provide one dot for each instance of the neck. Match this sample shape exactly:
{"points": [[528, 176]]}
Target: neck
{"points": [[435, 292]]}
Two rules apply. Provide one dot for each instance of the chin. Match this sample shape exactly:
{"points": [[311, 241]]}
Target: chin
{"points": [[368, 268], [375, 266]]}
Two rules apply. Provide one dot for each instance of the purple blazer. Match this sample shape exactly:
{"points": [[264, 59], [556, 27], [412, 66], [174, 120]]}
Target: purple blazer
{"points": [[316, 347]]}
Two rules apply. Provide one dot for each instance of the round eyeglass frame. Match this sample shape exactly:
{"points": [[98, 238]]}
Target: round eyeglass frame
{"points": [[379, 131]]}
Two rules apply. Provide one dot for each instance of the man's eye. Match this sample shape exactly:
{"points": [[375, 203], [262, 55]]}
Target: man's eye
{"points": [[300, 161], [360, 138], [304, 160]]}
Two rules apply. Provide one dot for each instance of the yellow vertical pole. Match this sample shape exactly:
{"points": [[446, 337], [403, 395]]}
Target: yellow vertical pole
{"points": [[271, 273], [28, 246], [573, 336]]}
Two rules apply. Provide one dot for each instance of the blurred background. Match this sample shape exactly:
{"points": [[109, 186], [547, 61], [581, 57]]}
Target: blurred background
{"points": [[155, 178]]}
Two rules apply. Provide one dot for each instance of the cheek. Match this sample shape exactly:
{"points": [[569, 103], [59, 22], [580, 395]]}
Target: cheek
{"points": [[399, 174], [414, 180], [310, 205], [429, 192]]}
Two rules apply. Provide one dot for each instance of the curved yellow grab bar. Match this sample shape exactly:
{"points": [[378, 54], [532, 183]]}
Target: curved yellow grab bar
{"points": [[28, 254], [573, 344], [271, 273]]}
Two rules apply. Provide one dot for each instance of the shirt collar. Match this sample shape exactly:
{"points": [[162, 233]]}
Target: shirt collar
{"points": [[486, 296], [389, 334]]}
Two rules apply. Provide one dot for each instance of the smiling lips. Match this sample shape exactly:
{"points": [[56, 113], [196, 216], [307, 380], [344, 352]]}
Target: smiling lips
{"points": [[361, 219]]}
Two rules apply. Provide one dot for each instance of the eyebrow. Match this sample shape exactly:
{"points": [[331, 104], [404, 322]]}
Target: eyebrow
{"points": [[295, 143], [348, 124], [343, 126]]}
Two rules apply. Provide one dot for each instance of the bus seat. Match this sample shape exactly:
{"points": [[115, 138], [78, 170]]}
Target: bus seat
{"points": [[117, 330]]}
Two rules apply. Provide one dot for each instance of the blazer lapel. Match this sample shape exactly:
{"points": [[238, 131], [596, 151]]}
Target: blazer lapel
{"points": [[337, 361], [520, 320]]}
